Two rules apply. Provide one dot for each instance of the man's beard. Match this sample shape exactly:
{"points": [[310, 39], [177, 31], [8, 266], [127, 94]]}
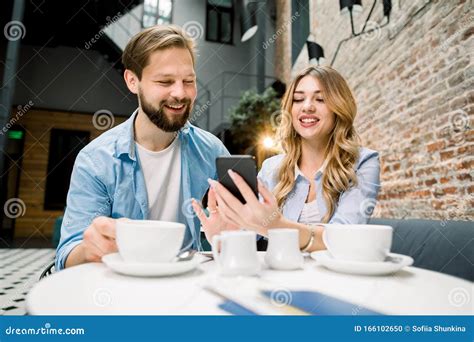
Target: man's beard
{"points": [[159, 118]]}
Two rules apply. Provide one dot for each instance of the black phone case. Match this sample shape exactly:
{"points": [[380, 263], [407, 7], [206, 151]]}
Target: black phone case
{"points": [[244, 165]]}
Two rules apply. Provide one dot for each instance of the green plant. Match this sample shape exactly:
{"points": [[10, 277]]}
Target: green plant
{"points": [[251, 118]]}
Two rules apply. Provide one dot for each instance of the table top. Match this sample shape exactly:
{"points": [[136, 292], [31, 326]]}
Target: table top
{"points": [[94, 289]]}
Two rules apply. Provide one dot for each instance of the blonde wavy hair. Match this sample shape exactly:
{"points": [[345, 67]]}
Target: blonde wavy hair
{"points": [[342, 150]]}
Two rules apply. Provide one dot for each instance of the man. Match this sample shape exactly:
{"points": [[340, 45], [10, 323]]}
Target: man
{"points": [[150, 166]]}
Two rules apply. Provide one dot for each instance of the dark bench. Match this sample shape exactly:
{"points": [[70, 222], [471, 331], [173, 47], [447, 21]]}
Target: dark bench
{"points": [[442, 246]]}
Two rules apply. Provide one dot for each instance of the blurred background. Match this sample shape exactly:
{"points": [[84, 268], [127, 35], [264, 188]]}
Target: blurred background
{"points": [[409, 64]]}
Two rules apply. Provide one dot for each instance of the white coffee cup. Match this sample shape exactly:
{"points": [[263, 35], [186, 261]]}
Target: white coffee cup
{"points": [[283, 252], [147, 241], [358, 242], [238, 253]]}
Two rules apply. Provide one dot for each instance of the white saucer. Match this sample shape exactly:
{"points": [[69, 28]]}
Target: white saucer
{"points": [[394, 263], [116, 263]]}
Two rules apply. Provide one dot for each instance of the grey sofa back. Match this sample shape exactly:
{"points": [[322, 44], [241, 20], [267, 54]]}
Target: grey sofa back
{"points": [[442, 246]]}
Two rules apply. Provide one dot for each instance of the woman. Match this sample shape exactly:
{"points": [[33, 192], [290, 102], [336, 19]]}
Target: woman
{"points": [[323, 176]]}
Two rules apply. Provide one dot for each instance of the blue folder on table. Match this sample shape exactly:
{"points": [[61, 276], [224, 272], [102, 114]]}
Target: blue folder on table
{"points": [[307, 302]]}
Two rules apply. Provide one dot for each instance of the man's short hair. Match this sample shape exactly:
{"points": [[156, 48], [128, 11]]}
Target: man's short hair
{"points": [[136, 55]]}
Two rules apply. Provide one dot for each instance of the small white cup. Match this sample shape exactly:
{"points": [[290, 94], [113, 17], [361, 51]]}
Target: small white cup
{"points": [[358, 242], [238, 253], [147, 241], [283, 252]]}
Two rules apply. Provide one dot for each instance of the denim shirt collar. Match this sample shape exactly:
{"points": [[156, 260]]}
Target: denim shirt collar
{"points": [[317, 175], [126, 140]]}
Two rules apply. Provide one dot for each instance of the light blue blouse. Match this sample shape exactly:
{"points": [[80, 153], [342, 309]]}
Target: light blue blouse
{"points": [[354, 206]]}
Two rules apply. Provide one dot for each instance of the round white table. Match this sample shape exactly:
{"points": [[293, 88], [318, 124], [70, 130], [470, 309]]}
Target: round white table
{"points": [[94, 289]]}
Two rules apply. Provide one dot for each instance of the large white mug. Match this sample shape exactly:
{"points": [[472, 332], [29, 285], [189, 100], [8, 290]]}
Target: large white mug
{"points": [[238, 253], [358, 242], [146, 241], [283, 252]]}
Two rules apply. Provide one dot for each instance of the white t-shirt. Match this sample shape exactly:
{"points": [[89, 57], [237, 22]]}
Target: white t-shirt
{"points": [[162, 171], [310, 214]]}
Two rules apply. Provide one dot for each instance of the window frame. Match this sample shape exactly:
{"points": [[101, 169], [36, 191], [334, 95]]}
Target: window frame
{"points": [[157, 15], [220, 10]]}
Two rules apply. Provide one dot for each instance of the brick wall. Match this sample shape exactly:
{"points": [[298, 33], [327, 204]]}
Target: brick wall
{"points": [[413, 81]]}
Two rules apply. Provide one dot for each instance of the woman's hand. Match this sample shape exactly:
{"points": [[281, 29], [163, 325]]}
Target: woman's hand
{"points": [[214, 223], [253, 214]]}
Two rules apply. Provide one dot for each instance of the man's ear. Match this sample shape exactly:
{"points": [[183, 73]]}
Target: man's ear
{"points": [[131, 80]]}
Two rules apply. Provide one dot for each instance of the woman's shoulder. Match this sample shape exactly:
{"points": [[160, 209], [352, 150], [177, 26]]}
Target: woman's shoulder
{"points": [[272, 163], [367, 155], [269, 171]]}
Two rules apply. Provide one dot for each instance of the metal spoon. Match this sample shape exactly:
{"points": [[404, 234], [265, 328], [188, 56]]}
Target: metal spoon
{"points": [[185, 255], [395, 260]]}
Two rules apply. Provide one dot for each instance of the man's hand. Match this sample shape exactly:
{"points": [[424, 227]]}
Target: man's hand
{"points": [[99, 240], [212, 224]]}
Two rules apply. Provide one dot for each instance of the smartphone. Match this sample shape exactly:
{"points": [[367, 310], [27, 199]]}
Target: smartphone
{"points": [[245, 166]]}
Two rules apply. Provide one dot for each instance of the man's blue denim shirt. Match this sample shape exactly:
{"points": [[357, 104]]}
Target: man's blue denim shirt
{"points": [[107, 180], [355, 205]]}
